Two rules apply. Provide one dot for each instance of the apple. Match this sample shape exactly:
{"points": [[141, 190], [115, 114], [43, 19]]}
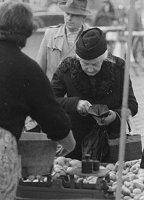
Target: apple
{"points": [[75, 163], [60, 161]]}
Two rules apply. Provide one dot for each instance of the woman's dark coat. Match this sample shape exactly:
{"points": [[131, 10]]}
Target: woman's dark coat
{"points": [[104, 88]]}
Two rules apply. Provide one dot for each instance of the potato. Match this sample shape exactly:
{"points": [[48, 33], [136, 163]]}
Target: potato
{"points": [[110, 167], [125, 191], [67, 161], [65, 167], [138, 184], [111, 182], [141, 171], [69, 169], [127, 198], [85, 181], [91, 177], [131, 189], [112, 176], [130, 163], [114, 187], [141, 179], [62, 172], [135, 168], [57, 168], [137, 197], [116, 167], [141, 197], [56, 175], [125, 171], [79, 180], [125, 178], [75, 163], [31, 178], [110, 189], [102, 167], [133, 177], [92, 181], [127, 184], [60, 161], [137, 191]]}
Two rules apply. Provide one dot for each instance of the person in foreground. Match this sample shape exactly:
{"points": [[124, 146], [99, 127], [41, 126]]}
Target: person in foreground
{"points": [[93, 76], [24, 88], [10, 166]]}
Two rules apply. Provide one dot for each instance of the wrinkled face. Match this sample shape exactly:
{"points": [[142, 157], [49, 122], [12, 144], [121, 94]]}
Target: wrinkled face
{"points": [[93, 66], [74, 22]]}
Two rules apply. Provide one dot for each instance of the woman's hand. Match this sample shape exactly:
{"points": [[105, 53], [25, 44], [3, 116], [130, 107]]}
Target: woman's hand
{"points": [[110, 118], [105, 121], [83, 106]]}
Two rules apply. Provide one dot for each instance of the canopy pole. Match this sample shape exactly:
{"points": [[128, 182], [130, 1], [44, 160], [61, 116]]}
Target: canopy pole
{"points": [[125, 101]]}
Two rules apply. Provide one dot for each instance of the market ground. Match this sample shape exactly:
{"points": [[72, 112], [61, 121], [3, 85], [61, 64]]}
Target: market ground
{"points": [[138, 86]]}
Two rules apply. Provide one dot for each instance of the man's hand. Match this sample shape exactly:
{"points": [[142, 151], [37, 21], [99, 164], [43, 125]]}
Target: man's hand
{"points": [[83, 106]]}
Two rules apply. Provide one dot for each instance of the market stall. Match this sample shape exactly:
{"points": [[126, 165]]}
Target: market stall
{"points": [[46, 176]]}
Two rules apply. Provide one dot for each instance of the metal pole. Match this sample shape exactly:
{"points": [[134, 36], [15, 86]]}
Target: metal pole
{"points": [[125, 102]]}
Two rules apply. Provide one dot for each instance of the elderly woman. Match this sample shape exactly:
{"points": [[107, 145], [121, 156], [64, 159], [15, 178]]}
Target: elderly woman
{"points": [[24, 88], [94, 76]]}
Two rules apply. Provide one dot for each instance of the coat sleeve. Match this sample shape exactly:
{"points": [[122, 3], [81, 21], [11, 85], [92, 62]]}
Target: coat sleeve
{"points": [[42, 53], [132, 102], [59, 86], [114, 127], [42, 104]]}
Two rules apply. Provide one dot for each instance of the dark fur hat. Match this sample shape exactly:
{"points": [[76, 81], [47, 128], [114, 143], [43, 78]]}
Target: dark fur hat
{"points": [[91, 44]]}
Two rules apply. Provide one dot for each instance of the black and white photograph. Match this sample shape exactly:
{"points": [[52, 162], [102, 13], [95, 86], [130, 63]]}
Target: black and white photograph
{"points": [[71, 99]]}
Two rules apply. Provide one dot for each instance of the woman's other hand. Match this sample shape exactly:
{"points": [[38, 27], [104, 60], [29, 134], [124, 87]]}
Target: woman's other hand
{"points": [[83, 106], [109, 119], [106, 120]]}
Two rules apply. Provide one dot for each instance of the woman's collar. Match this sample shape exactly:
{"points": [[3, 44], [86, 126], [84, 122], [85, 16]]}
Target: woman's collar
{"points": [[110, 58]]}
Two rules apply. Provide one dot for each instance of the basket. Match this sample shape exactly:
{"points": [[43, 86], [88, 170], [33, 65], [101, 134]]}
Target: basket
{"points": [[133, 148], [37, 153]]}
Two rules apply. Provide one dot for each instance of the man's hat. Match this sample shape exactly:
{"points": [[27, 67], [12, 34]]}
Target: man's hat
{"points": [[77, 7]]}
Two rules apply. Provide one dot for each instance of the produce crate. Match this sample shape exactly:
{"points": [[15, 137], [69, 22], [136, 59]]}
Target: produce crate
{"points": [[57, 191], [37, 153]]}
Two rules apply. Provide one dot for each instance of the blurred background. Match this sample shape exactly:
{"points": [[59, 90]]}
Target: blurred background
{"points": [[110, 15], [121, 8]]}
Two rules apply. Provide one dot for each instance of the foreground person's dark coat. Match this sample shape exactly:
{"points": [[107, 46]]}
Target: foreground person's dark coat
{"points": [[25, 90], [104, 88]]}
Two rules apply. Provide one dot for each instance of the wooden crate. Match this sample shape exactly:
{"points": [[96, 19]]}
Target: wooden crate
{"points": [[37, 153]]}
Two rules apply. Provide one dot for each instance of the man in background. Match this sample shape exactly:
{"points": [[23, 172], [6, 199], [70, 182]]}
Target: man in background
{"points": [[59, 41]]}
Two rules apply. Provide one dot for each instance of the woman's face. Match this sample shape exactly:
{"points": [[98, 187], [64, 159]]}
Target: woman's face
{"points": [[93, 66], [74, 22]]}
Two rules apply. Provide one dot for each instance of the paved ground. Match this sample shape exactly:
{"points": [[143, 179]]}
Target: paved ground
{"points": [[138, 85]]}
